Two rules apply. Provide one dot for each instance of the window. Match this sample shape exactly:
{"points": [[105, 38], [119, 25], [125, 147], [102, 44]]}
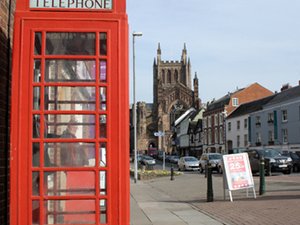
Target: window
{"points": [[235, 101], [216, 119], [221, 136], [270, 117], [216, 135], [284, 115], [271, 137], [258, 139], [229, 126], [245, 123], [238, 124], [284, 136], [257, 119], [245, 140], [238, 141], [169, 76]]}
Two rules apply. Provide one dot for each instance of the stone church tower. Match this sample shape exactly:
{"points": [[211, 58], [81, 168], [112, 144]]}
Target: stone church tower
{"points": [[172, 96]]}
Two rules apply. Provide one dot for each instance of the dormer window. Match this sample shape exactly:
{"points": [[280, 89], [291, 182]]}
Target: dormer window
{"points": [[235, 101]]}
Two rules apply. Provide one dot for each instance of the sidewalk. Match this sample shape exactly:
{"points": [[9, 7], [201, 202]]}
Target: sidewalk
{"points": [[183, 201], [152, 206]]}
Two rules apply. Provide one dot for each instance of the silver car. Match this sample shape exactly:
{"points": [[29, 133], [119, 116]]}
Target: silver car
{"points": [[188, 163]]}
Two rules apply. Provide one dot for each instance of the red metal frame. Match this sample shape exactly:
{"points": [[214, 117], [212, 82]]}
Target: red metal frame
{"points": [[114, 22]]}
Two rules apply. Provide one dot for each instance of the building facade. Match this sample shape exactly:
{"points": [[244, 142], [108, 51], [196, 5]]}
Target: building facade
{"points": [[277, 125], [218, 110], [237, 124], [172, 96]]}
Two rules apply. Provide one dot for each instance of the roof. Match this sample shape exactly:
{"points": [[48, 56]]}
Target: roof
{"points": [[250, 107], [183, 116], [285, 95], [221, 102]]}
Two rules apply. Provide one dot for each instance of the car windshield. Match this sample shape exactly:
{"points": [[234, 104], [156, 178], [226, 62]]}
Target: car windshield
{"points": [[190, 159], [215, 156], [271, 153]]}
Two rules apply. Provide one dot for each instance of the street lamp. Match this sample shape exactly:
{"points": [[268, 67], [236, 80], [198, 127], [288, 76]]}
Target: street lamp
{"points": [[134, 34]]}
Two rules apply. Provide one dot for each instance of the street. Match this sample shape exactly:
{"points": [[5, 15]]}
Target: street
{"points": [[279, 205]]}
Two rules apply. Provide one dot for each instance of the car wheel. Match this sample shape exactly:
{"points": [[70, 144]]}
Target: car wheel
{"points": [[184, 168], [288, 171]]}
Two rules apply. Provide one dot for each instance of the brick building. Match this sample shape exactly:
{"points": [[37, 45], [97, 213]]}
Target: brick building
{"points": [[217, 110], [7, 8]]}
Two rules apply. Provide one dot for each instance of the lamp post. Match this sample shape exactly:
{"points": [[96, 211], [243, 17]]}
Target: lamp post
{"points": [[134, 34]]}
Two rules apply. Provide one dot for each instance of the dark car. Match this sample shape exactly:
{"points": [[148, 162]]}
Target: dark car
{"points": [[273, 159], [295, 158], [215, 160]]}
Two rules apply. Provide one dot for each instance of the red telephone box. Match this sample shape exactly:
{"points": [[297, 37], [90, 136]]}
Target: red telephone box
{"points": [[69, 115]]}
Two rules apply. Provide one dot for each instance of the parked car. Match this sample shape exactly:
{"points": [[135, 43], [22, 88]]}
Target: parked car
{"points": [[295, 160], [174, 159], [188, 163], [215, 160], [147, 160], [274, 161]]}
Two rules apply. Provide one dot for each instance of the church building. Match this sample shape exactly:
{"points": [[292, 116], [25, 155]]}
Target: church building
{"points": [[172, 96]]}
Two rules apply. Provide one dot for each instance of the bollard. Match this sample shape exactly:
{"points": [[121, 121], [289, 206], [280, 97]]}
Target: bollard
{"points": [[172, 173], [262, 185], [210, 193]]}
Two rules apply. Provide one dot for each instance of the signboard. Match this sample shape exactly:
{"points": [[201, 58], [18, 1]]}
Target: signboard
{"points": [[238, 172], [71, 4]]}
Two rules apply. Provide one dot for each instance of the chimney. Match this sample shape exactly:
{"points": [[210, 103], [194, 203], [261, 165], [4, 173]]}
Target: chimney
{"points": [[285, 87]]}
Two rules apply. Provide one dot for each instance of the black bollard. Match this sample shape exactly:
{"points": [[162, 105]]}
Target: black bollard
{"points": [[262, 186], [210, 193], [172, 173]]}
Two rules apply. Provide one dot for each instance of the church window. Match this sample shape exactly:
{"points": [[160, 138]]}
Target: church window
{"points": [[182, 78], [176, 75], [163, 76], [169, 76]]}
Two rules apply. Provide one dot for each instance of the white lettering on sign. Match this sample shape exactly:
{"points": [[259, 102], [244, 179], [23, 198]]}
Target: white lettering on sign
{"points": [[71, 4]]}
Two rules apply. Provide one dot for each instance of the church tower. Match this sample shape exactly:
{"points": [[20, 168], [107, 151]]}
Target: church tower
{"points": [[172, 94]]}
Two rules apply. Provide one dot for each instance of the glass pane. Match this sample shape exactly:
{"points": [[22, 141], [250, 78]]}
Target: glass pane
{"points": [[36, 126], [102, 98], [62, 183], [37, 70], [70, 70], [35, 183], [102, 182], [69, 212], [35, 212], [36, 98], [103, 211], [70, 43], [69, 154], [35, 154], [103, 127], [102, 153], [103, 44], [37, 43], [69, 126], [103, 70], [70, 98]]}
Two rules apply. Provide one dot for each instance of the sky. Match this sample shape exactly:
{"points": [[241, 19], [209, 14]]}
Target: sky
{"points": [[231, 43]]}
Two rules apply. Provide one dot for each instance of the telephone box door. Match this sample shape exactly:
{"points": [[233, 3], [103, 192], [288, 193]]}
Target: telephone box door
{"points": [[67, 124]]}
